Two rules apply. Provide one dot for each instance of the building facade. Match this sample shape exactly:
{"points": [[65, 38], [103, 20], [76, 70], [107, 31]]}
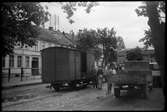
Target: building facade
{"points": [[29, 58]]}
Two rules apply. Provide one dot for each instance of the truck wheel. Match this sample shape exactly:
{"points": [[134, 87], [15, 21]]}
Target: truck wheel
{"points": [[116, 92], [85, 86], [145, 91]]}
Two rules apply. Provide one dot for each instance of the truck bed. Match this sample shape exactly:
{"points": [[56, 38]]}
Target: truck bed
{"points": [[131, 77]]}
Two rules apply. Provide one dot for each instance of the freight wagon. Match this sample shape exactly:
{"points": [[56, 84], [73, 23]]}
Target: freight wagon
{"points": [[67, 67]]}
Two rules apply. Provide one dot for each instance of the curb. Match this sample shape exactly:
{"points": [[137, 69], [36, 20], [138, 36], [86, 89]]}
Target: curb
{"points": [[21, 85]]}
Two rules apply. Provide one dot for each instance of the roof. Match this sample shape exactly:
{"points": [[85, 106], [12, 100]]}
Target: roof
{"points": [[56, 37], [47, 36]]}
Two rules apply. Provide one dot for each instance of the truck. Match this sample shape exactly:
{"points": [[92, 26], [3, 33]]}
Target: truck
{"points": [[136, 77], [63, 67]]}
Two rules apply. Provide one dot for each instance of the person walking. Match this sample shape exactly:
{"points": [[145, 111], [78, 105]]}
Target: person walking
{"points": [[113, 72], [94, 78], [108, 74], [100, 78]]}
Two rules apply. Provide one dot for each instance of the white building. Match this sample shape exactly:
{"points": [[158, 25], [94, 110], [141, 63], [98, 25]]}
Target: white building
{"points": [[29, 58]]}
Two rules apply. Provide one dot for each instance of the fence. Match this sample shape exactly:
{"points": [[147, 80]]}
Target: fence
{"points": [[21, 74]]}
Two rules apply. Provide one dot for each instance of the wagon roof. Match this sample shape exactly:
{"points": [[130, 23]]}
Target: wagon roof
{"points": [[74, 49]]}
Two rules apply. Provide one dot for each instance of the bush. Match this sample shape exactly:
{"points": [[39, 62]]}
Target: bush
{"points": [[134, 54]]}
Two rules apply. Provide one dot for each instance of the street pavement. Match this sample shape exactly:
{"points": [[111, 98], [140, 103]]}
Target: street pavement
{"points": [[83, 99]]}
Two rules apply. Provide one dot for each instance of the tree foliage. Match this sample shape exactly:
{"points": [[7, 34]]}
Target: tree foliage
{"points": [[134, 54], [103, 41], [147, 40], [19, 23], [70, 7], [150, 9], [157, 26], [108, 40], [87, 40], [155, 11], [120, 43]]}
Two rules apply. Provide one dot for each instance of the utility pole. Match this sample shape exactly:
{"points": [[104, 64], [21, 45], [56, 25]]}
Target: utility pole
{"points": [[58, 22], [55, 21]]}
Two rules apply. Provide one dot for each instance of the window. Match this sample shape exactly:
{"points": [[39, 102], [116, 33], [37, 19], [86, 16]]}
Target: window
{"points": [[11, 61], [3, 61], [27, 61], [19, 61], [36, 47]]}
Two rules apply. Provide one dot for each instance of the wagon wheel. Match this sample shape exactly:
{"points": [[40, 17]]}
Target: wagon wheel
{"points": [[145, 91], [73, 85]]}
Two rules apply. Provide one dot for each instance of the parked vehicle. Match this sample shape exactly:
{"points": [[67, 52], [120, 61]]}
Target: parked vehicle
{"points": [[135, 78], [63, 67], [156, 75]]}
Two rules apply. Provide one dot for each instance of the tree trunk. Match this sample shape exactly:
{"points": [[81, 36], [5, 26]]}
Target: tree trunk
{"points": [[158, 37]]}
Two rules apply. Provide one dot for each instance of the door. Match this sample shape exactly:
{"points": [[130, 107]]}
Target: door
{"points": [[83, 64], [35, 66], [77, 65]]}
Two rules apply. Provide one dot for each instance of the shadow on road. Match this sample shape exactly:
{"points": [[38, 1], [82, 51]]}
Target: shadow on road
{"points": [[69, 89]]}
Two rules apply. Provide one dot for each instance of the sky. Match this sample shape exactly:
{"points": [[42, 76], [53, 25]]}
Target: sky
{"points": [[118, 15]]}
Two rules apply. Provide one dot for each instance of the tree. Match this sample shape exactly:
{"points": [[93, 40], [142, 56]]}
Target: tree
{"points": [[108, 41], [134, 54], [87, 40], [155, 11], [70, 7], [120, 43], [103, 41], [147, 40], [20, 23], [21, 20]]}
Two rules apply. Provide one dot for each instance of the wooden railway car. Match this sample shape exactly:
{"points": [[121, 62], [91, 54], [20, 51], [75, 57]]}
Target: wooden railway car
{"points": [[66, 67]]}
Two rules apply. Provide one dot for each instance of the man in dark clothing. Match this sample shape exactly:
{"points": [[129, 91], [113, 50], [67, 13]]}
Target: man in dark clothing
{"points": [[100, 77]]}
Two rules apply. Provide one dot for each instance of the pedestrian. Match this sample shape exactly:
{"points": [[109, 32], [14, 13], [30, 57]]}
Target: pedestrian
{"points": [[119, 67], [108, 74], [122, 68], [94, 78], [100, 78], [113, 72]]}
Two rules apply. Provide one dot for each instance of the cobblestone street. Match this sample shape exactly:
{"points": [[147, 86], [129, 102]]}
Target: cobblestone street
{"points": [[82, 99]]}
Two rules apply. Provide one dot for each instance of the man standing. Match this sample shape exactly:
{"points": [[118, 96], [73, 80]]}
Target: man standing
{"points": [[113, 72], [108, 74], [100, 78]]}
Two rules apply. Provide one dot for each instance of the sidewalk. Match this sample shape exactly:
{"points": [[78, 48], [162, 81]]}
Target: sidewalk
{"points": [[17, 83]]}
